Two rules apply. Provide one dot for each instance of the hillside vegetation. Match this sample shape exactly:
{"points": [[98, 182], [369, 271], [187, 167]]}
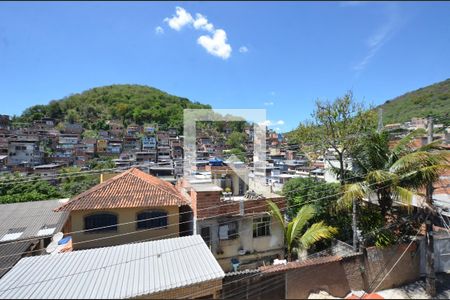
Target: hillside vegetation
{"points": [[128, 103], [432, 100]]}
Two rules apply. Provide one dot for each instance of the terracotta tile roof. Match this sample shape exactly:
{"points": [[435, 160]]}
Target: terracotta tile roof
{"points": [[300, 264], [132, 188]]}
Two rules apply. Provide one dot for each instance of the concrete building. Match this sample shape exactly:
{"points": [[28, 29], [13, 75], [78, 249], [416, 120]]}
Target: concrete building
{"points": [[25, 150], [150, 208], [238, 230], [148, 143]]}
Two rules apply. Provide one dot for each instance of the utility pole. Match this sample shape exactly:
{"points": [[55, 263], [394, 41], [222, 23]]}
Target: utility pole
{"points": [[380, 120], [431, 276]]}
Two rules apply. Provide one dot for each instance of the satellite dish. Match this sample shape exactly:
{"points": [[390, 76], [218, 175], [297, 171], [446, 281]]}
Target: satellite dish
{"points": [[57, 249], [51, 247], [57, 237]]}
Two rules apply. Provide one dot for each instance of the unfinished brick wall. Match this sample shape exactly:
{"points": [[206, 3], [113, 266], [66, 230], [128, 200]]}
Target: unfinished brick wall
{"points": [[379, 262]]}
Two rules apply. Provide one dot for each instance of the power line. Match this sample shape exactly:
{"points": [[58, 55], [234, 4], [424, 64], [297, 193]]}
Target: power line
{"points": [[178, 214], [175, 214], [122, 234], [207, 208], [323, 251]]}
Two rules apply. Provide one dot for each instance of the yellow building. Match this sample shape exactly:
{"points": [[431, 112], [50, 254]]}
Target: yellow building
{"points": [[130, 207], [102, 146]]}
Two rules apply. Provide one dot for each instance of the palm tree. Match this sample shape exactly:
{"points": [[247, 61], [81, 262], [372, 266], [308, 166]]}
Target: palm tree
{"points": [[294, 236], [393, 174]]}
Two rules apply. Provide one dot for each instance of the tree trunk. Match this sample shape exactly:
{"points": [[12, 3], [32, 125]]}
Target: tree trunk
{"points": [[341, 168], [355, 226]]}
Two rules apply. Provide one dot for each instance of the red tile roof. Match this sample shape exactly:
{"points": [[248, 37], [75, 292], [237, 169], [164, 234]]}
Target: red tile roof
{"points": [[300, 264], [132, 188]]}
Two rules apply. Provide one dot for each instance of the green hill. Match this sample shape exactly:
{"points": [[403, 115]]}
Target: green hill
{"points": [[128, 103], [432, 100]]}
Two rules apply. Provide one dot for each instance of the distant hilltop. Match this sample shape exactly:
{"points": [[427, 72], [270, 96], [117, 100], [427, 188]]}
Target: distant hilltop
{"points": [[432, 100], [126, 102]]}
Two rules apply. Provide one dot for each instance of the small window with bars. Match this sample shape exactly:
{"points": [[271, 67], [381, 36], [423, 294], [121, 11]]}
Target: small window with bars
{"points": [[261, 226]]}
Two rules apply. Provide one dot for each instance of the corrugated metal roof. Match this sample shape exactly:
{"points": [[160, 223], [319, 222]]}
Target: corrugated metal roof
{"points": [[11, 253], [30, 218], [21, 222], [123, 271]]}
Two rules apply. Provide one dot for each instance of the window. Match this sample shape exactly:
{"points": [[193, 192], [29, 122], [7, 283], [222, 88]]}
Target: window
{"points": [[205, 233], [151, 219], [102, 222], [228, 231], [261, 226]]}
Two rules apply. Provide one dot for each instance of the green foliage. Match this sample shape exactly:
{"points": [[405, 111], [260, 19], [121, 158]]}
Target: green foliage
{"points": [[239, 153], [432, 100], [236, 140], [337, 125], [323, 197], [297, 234], [128, 103], [391, 175], [78, 183], [13, 189]]}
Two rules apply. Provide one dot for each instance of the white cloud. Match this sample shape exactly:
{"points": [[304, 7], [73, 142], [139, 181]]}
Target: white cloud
{"points": [[217, 44], [272, 93], [243, 49], [270, 123], [159, 30], [270, 103], [379, 38], [201, 22], [265, 123], [181, 19]]}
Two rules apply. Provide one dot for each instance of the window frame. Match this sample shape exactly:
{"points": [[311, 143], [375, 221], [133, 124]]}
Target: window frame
{"points": [[263, 223], [108, 229], [150, 218], [232, 233], [208, 240]]}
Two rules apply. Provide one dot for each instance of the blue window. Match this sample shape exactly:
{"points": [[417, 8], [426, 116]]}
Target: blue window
{"points": [[151, 219], [101, 222]]}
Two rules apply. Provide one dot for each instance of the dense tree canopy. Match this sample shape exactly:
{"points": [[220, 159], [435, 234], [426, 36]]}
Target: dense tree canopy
{"points": [[128, 103]]}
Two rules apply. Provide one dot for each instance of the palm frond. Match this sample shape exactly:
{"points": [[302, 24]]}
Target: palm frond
{"points": [[305, 214], [420, 177], [436, 145], [403, 195], [419, 159], [317, 231], [401, 146], [275, 212], [350, 192], [381, 177]]}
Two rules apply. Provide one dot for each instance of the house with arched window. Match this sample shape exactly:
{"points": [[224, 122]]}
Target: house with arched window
{"points": [[130, 207]]}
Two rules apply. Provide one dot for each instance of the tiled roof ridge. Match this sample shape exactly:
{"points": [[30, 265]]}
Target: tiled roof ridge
{"points": [[147, 178], [93, 189], [136, 173]]}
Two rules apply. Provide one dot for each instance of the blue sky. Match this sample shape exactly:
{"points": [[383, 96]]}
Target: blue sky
{"points": [[296, 52]]}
